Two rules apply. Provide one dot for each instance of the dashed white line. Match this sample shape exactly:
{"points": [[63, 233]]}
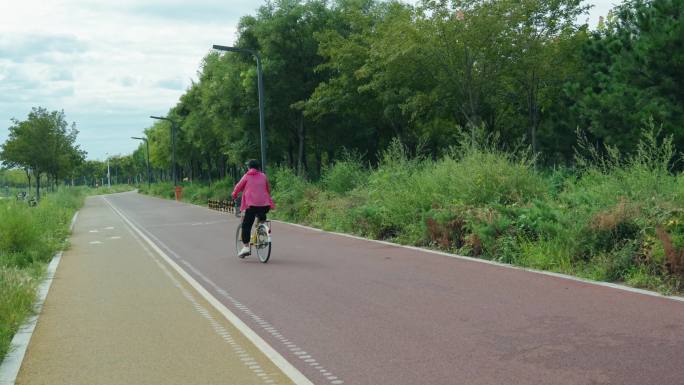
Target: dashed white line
{"points": [[247, 359], [240, 306]]}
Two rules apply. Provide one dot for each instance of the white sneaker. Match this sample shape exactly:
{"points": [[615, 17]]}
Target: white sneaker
{"points": [[244, 252]]}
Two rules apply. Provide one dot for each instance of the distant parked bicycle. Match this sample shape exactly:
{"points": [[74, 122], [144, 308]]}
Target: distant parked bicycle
{"points": [[260, 239]]}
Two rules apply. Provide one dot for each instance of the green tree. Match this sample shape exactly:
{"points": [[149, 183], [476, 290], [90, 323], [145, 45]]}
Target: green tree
{"points": [[43, 144], [634, 71], [283, 32], [360, 100], [90, 172], [541, 37]]}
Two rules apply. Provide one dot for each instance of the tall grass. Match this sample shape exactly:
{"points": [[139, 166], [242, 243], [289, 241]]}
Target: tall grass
{"points": [[612, 218], [29, 237]]}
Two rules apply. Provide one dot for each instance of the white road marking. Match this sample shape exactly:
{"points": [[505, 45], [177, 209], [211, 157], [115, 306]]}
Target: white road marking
{"points": [[238, 304], [288, 369], [95, 242], [248, 360]]}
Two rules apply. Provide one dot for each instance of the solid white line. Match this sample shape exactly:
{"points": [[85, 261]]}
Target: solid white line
{"points": [[499, 264], [288, 369], [12, 361]]}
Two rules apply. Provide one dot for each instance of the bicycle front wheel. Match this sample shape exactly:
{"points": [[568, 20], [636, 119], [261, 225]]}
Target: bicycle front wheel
{"points": [[263, 244]]}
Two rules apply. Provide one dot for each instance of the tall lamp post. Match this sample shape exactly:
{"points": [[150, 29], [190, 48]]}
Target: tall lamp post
{"points": [[149, 178], [109, 178], [260, 84], [173, 145]]}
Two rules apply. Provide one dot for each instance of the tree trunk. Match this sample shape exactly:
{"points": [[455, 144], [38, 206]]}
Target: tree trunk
{"points": [[290, 154], [37, 184], [221, 167], [209, 169], [28, 176], [301, 160], [319, 160], [533, 111]]}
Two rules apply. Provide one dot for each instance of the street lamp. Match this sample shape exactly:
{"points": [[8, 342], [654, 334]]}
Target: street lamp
{"points": [[260, 84], [109, 179], [173, 145], [149, 178]]}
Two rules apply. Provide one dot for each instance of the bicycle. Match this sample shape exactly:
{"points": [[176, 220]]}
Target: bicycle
{"points": [[260, 239]]}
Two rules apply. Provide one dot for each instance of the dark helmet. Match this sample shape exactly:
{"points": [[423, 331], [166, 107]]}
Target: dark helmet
{"points": [[253, 163]]}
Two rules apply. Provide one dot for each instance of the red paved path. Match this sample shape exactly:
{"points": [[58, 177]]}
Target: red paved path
{"points": [[343, 309]]}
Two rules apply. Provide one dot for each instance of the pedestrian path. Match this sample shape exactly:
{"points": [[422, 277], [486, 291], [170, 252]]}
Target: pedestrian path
{"points": [[118, 314]]}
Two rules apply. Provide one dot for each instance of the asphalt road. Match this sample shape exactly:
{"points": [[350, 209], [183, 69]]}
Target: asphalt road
{"points": [[350, 311]]}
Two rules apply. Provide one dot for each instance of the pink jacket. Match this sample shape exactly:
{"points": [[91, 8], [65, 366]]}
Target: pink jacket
{"points": [[257, 191]]}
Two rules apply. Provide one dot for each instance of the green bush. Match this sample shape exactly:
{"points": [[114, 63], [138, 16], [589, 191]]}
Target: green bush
{"points": [[292, 194], [17, 289], [344, 175], [18, 232]]}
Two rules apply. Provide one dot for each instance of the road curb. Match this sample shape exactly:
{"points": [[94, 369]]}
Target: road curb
{"points": [[478, 260], [499, 264], [12, 362]]}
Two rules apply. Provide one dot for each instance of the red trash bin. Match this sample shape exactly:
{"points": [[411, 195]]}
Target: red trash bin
{"points": [[179, 192]]}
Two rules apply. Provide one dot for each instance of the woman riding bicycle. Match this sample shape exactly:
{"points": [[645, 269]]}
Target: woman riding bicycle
{"points": [[256, 200]]}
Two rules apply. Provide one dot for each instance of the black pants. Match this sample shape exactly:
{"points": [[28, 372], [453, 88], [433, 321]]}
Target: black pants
{"points": [[247, 222]]}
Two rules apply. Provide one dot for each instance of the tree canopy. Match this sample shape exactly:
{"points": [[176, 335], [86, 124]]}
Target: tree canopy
{"points": [[345, 76], [42, 144], [354, 74]]}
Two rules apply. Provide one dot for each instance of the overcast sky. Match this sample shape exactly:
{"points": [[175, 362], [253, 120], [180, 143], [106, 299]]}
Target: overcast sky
{"points": [[110, 64]]}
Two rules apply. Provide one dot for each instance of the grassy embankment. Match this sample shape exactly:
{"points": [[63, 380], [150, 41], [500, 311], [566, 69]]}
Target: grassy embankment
{"points": [[29, 238], [610, 219]]}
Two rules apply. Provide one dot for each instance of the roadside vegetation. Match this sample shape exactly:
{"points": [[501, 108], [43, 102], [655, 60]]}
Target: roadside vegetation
{"points": [[353, 75], [612, 218], [29, 238]]}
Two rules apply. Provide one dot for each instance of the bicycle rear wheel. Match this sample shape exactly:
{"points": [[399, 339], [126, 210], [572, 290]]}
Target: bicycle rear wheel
{"points": [[238, 241], [263, 245]]}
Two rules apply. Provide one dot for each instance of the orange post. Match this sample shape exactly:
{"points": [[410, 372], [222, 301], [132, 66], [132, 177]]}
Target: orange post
{"points": [[179, 192]]}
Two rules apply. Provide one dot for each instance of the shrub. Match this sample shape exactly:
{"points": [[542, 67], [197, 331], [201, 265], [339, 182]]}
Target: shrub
{"points": [[289, 194], [344, 175], [16, 302], [17, 229]]}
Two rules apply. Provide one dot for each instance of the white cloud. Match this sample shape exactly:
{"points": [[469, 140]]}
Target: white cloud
{"points": [[108, 64]]}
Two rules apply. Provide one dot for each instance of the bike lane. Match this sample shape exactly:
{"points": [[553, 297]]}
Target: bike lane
{"points": [[346, 310], [117, 313]]}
